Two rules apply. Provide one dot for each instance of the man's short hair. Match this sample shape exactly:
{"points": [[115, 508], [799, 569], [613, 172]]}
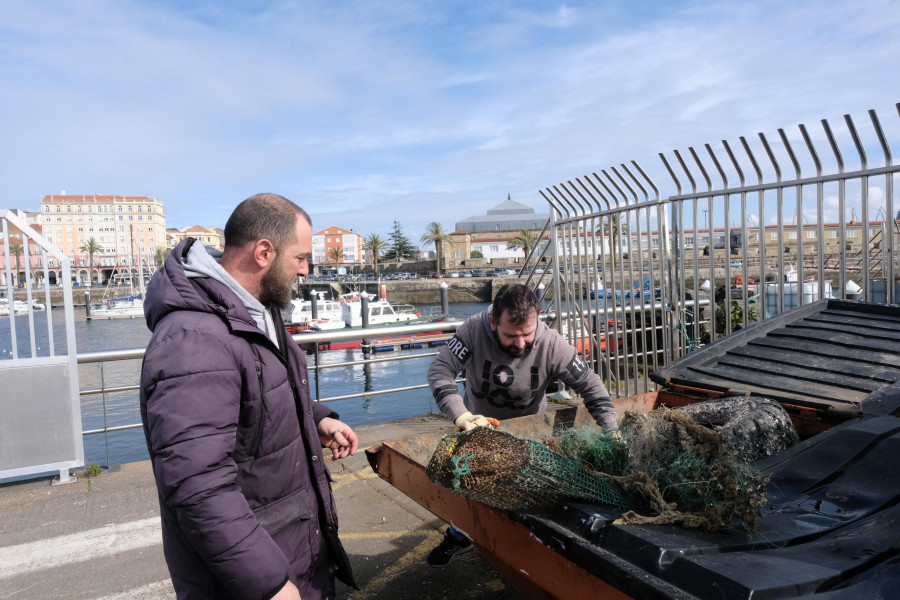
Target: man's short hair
{"points": [[263, 216], [516, 301]]}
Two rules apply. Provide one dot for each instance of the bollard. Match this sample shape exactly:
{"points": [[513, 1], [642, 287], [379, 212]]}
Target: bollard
{"points": [[87, 303], [314, 304], [540, 292], [365, 346], [445, 298]]}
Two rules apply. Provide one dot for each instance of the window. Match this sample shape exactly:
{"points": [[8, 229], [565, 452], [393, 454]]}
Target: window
{"points": [[495, 248], [792, 235], [69, 208], [832, 235], [458, 255], [853, 233], [773, 236], [810, 235]]}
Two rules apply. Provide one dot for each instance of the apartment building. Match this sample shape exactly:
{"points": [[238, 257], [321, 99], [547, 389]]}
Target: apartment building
{"points": [[325, 245], [128, 230], [214, 237]]}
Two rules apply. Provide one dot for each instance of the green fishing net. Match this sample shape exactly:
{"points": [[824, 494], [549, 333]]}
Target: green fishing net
{"points": [[661, 467], [512, 473]]}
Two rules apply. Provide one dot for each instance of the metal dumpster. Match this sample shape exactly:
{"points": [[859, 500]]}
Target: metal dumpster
{"points": [[831, 528]]}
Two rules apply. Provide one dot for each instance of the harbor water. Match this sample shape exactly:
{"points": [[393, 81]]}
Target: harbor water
{"points": [[119, 409]]}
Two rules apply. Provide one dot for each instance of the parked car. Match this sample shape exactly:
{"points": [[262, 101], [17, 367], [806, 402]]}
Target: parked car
{"points": [[452, 274], [465, 274], [736, 264], [478, 273]]}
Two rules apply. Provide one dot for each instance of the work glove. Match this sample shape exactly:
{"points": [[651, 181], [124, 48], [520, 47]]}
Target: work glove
{"points": [[467, 421]]}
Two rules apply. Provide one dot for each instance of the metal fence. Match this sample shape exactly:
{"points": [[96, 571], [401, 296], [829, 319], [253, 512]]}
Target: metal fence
{"points": [[748, 230], [40, 411]]}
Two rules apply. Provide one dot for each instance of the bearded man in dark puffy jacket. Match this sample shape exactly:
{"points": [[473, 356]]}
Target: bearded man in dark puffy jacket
{"points": [[234, 438]]}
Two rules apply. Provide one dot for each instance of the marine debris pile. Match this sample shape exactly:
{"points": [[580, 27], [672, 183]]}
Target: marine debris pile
{"points": [[668, 466]]}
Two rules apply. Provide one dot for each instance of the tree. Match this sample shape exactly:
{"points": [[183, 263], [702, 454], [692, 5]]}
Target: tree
{"points": [[436, 234], [91, 247], [614, 228], [160, 255], [401, 247], [476, 254], [16, 249], [524, 240], [376, 245], [336, 254]]}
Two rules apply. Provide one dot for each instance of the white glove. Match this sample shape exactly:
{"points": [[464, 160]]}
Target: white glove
{"points": [[467, 421]]}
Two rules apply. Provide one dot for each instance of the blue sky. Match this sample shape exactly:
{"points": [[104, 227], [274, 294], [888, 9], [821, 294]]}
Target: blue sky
{"points": [[363, 112]]}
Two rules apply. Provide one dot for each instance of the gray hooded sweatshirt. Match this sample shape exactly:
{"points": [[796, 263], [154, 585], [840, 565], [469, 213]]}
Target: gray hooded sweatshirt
{"points": [[502, 386]]}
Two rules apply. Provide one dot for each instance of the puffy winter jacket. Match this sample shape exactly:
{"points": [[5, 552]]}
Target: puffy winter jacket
{"points": [[244, 492]]}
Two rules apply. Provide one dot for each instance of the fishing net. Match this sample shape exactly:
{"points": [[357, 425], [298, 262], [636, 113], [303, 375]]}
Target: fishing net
{"points": [[662, 467], [513, 473]]}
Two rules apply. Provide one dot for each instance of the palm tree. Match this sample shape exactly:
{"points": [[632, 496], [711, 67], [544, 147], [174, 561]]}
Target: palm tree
{"points": [[91, 247], [16, 249], [435, 234], [524, 240], [160, 255], [336, 254], [376, 245], [614, 228]]}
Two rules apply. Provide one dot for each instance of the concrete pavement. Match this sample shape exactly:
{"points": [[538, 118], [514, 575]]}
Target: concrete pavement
{"points": [[100, 538]]}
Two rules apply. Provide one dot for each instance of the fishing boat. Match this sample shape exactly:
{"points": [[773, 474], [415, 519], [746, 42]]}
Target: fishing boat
{"points": [[828, 530], [380, 311], [298, 317]]}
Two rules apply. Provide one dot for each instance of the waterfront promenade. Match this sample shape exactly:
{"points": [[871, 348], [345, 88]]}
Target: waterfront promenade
{"points": [[100, 538]]}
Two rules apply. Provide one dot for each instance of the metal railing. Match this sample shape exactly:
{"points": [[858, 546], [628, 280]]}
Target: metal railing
{"points": [[395, 332], [618, 244]]}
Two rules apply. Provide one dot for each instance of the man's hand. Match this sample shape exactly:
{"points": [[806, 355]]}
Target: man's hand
{"points": [[467, 421], [337, 437], [288, 592]]}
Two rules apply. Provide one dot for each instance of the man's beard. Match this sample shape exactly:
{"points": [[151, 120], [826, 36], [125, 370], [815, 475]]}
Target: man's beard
{"points": [[276, 285], [514, 351]]}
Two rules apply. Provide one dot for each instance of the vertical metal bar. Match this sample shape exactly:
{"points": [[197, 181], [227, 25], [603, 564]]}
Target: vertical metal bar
{"points": [[888, 209], [47, 306], [695, 224], [745, 238], [762, 229], [798, 218], [842, 209], [864, 204], [820, 211], [105, 425], [779, 207], [727, 240], [26, 248], [662, 238], [9, 290], [677, 296]]}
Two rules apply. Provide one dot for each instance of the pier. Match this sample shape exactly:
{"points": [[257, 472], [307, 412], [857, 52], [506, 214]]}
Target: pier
{"points": [[99, 538]]}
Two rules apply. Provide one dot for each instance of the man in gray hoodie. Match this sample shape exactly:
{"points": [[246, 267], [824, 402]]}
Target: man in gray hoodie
{"points": [[234, 438], [510, 356]]}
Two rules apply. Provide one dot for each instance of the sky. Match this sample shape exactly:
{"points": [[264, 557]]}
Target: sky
{"points": [[364, 112]]}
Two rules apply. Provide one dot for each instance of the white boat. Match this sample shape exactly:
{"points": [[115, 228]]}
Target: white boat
{"points": [[19, 306], [122, 307], [381, 312], [329, 315]]}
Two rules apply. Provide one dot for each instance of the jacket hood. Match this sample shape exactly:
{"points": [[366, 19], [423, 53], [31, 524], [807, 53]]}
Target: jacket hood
{"points": [[170, 290]]}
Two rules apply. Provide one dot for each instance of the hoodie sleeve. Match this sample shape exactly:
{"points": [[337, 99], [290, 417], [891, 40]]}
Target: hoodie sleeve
{"points": [[576, 374], [191, 384], [451, 359]]}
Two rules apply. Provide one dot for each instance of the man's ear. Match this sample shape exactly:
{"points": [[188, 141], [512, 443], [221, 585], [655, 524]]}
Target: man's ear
{"points": [[263, 252], [491, 321]]}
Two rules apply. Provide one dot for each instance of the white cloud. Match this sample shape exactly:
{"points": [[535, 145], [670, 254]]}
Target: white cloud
{"points": [[421, 111]]}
